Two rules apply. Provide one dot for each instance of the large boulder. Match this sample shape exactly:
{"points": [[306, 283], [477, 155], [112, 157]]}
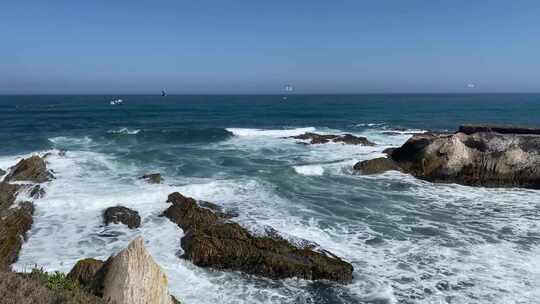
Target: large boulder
{"points": [[124, 215], [314, 138], [31, 169], [212, 241], [132, 277], [376, 166], [481, 158]]}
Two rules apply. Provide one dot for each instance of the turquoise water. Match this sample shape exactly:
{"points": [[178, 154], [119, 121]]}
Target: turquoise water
{"points": [[410, 241]]}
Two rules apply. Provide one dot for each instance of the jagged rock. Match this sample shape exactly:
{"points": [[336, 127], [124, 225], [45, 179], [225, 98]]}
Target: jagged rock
{"points": [[14, 223], [8, 193], [217, 209], [389, 151], [376, 166], [154, 178], [502, 129], [212, 241], [124, 215], [490, 159], [85, 270], [31, 169], [37, 192], [349, 139], [132, 277]]}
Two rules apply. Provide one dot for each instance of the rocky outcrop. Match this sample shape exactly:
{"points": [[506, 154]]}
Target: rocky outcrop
{"points": [[212, 241], [349, 139], [129, 277], [124, 215], [376, 166], [84, 271], [14, 223], [153, 178], [31, 169], [501, 129], [491, 159]]}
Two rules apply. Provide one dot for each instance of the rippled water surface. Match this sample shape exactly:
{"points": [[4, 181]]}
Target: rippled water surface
{"points": [[410, 241]]}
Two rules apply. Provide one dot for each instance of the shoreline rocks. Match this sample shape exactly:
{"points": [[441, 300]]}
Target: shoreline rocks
{"points": [[33, 169], [129, 277], [489, 156], [349, 139], [124, 215], [376, 166], [212, 241]]}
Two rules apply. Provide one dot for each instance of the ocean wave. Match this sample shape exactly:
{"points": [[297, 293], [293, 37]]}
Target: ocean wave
{"points": [[65, 140], [310, 170], [124, 131], [246, 132]]}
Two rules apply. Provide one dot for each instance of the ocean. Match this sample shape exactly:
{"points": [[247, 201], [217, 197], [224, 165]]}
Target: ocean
{"points": [[410, 241]]}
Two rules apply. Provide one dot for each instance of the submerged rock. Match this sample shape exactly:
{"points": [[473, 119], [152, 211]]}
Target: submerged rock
{"points": [[132, 277], [37, 192], [349, 139], [124, 215], [31, 169], [153, 178], [212, 241], [489, 157], [376, 166]]}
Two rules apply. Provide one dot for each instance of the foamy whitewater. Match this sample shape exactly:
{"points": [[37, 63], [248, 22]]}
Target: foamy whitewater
{"points": [[409, 241]]}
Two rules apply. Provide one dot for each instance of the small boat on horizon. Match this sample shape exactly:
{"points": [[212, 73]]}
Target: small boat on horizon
{"points": [[163, 93], [116, 102]]}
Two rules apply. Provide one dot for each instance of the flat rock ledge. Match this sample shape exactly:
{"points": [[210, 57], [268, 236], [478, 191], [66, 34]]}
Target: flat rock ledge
{"points": [[211, 240], [488, 156], [349, 139], [129, 277], [124, 215]]}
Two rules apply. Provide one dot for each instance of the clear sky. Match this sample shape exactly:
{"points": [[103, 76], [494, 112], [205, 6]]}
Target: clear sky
{"points": [[255, 46]]}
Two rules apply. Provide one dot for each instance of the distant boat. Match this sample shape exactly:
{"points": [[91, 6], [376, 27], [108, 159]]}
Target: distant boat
{"points": [[163, 93], [116, 102], [288, 89]]}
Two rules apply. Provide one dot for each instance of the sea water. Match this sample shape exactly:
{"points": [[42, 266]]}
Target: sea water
{"points": [[410, 241]]}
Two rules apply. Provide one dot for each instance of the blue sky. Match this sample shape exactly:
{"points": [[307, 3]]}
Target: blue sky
{"points": [[258, 46]]}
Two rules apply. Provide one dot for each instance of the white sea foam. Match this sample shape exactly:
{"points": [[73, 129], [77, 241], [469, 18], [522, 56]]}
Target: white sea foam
{"points": [[309, 170], [124, 131], [269, 133], [64, 140]]}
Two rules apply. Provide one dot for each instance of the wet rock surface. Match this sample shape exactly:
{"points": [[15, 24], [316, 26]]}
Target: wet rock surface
{"points": [[349, 139], [124, 215], [492, 158], [376, 166], [153, 178], [31, 169], [212, 241], [14, 223]]}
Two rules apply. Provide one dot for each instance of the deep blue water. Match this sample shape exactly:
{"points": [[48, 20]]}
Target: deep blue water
{"points": [[34, 119], [410, 241]]}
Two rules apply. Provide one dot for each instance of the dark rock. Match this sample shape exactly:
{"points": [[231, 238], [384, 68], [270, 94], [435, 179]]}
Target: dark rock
{"points": [[154, 178], [2, 172], [218, 210], [376, 166], [389, 151], [349, 139], [14, 223], [37, 192], [212, 241], [120, 214], [8, 194], [31, 169], [488, 159], [502, 129], [84, 271]]}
